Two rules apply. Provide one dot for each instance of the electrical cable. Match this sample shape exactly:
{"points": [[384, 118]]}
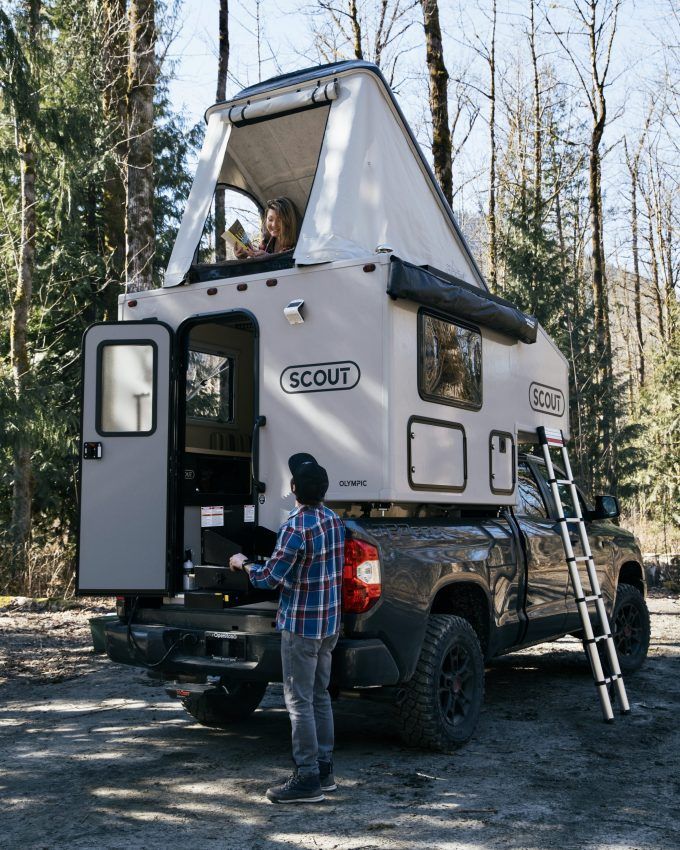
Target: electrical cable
{"points": [[136, 649]]}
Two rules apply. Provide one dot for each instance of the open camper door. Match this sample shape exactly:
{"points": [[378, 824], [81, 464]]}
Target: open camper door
{"points": [[124, 459]]}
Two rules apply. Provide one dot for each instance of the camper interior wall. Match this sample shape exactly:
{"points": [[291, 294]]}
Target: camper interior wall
{"points": [[277, 157]]}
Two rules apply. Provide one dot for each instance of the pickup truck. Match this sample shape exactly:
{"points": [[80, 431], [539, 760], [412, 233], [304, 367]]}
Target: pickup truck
{"points": [[456, 587]]}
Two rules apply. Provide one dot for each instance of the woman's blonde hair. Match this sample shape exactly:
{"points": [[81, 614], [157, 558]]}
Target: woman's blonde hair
{"points": [[288, 216]]}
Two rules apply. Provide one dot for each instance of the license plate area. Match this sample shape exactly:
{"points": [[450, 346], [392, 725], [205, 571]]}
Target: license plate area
{"points": [[225, 646]]}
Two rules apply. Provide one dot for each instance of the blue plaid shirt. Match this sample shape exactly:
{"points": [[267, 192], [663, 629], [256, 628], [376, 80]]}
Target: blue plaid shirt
{"points": [[307, 565]]}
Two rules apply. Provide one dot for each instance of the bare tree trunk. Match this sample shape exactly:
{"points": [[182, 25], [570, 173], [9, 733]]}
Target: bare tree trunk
{"points": [[356, 29], [493, 247], [114, 56], [598, 25], [538, 142], [439, 78], [222, 68], [142, 71], [656, 285], [633, 168], [21, 305]]}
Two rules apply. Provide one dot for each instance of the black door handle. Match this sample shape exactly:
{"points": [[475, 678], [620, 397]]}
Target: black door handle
{"points": [[260, 422]]}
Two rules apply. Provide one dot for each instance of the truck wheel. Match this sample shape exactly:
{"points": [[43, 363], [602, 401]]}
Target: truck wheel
{"points": [[219, 709], [440, 706], [630, 628]]}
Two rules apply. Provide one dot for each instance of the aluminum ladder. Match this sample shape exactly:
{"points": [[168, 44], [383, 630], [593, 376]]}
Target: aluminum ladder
{"points": [[553, 438]]}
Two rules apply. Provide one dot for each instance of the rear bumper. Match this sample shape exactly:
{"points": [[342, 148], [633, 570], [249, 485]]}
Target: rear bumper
{"points": [[183, 652]]}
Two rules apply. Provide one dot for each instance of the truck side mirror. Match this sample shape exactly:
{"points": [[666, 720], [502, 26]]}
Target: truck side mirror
{"points": [[606, 507]]}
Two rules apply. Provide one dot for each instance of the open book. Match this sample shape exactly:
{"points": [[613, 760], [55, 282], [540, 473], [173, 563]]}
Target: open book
{"points": [[236, 236]]}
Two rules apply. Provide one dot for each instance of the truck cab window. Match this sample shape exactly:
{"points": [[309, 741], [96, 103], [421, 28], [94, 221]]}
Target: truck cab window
{"points": [[450, 362], [565, 493], [529, 499]]}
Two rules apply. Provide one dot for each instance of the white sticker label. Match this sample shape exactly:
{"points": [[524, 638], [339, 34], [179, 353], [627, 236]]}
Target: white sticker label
{"points": [[249, 513], [212, 516]]}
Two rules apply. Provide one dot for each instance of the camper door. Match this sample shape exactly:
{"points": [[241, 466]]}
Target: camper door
{"points": [[124, 459]]}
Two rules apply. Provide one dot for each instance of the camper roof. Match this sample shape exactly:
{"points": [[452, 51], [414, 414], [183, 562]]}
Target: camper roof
{"points": [[334, 140]]}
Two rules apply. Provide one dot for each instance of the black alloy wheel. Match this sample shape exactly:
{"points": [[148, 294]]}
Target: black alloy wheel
{"points": [[457, 686], [440, 706], [630, 628]]}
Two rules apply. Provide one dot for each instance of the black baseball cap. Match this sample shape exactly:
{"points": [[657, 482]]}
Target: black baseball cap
{"points": [[310, 479]]}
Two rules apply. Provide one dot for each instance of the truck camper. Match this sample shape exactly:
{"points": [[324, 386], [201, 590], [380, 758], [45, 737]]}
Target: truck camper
{"points": [[374, 344]]}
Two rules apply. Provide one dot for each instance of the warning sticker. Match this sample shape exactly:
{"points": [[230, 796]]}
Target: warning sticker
{"points": [[249, 513], [212, 516]]}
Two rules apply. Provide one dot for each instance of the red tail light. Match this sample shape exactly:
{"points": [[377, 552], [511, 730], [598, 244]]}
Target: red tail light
{"points": [[361, 585], [120, 607]]}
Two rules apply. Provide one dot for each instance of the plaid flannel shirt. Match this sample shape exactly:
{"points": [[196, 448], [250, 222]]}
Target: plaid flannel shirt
{"points": [[307, 564]]}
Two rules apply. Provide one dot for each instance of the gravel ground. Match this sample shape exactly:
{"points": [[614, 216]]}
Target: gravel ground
{"points": [[94, 755]]}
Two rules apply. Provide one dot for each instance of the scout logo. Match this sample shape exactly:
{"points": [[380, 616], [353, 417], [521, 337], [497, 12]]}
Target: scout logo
{"points": [[546, 399], [320, 377]]}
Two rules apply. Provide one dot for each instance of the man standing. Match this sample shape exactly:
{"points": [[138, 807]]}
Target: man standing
{"points": [[307, 565]]}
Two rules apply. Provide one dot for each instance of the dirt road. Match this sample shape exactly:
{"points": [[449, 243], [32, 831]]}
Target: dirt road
{"points": [[95, 756]]}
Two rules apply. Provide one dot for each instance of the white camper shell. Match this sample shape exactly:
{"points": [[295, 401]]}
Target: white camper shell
{"points": [[374, 345]]}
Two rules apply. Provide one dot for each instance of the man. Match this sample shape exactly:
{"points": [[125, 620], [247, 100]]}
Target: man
{"points": [[307, 565]]}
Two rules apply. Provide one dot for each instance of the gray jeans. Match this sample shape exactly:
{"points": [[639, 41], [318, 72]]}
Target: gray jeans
{"points": [[306, 672]]}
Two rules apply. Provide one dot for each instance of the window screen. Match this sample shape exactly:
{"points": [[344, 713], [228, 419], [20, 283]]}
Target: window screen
{"points": [[210, 386], [450, 362], [127, 388]]}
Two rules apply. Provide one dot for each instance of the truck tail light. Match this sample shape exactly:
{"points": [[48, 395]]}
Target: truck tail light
{"points": [[361, 584], [120, 607]]}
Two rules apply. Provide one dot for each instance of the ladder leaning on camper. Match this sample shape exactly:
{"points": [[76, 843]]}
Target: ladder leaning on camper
{"points": [[553, 438]]}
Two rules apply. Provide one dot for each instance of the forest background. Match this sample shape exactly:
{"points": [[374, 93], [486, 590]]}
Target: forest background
{"points": [[553, 129]]}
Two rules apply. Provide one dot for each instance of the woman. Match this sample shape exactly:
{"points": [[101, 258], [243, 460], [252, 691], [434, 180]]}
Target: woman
{"points": [[279, 229]]}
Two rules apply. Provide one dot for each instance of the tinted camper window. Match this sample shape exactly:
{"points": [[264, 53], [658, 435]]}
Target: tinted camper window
{"points": [[126, 388], [450, 361]]}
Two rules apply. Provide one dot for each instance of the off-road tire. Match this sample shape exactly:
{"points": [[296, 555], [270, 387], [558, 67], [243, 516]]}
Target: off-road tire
{"points": [[220, 708], [630, 628], [439, 707]]}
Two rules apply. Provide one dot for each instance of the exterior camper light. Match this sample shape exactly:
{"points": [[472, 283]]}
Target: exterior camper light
{"points": [[293, 312], [384, 249]]}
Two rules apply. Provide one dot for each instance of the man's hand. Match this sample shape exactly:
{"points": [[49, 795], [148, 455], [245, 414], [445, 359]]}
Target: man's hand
{"points": [[238, 562]]}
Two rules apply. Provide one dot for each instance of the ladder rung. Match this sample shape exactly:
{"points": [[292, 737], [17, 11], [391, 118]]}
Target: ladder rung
{"points": [[579, 558], [609, 679], [559, 481], [589, 598], [598, 639], [570, 519]]}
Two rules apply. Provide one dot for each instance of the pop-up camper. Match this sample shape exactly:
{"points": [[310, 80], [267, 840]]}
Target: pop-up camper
{"points": [[374, 344]]}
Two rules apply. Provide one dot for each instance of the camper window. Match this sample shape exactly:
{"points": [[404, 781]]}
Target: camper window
{"points": [[126, 391], [210, 386], [450, 361]]}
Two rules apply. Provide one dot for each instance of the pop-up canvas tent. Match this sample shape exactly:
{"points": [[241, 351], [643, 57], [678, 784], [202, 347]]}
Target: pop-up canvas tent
{"points": [[334, 140]]}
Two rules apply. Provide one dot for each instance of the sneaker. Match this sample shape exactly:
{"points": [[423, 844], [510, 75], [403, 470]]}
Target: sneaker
{"points": [[326, 778], [297, 789]]}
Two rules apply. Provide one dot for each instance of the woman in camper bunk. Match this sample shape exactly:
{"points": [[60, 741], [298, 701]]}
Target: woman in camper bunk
{"points": [[279, 229]]}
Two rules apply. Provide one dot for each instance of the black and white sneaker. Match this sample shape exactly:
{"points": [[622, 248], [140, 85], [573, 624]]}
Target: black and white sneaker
{"points": [[297, 789], [326, 778]]}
